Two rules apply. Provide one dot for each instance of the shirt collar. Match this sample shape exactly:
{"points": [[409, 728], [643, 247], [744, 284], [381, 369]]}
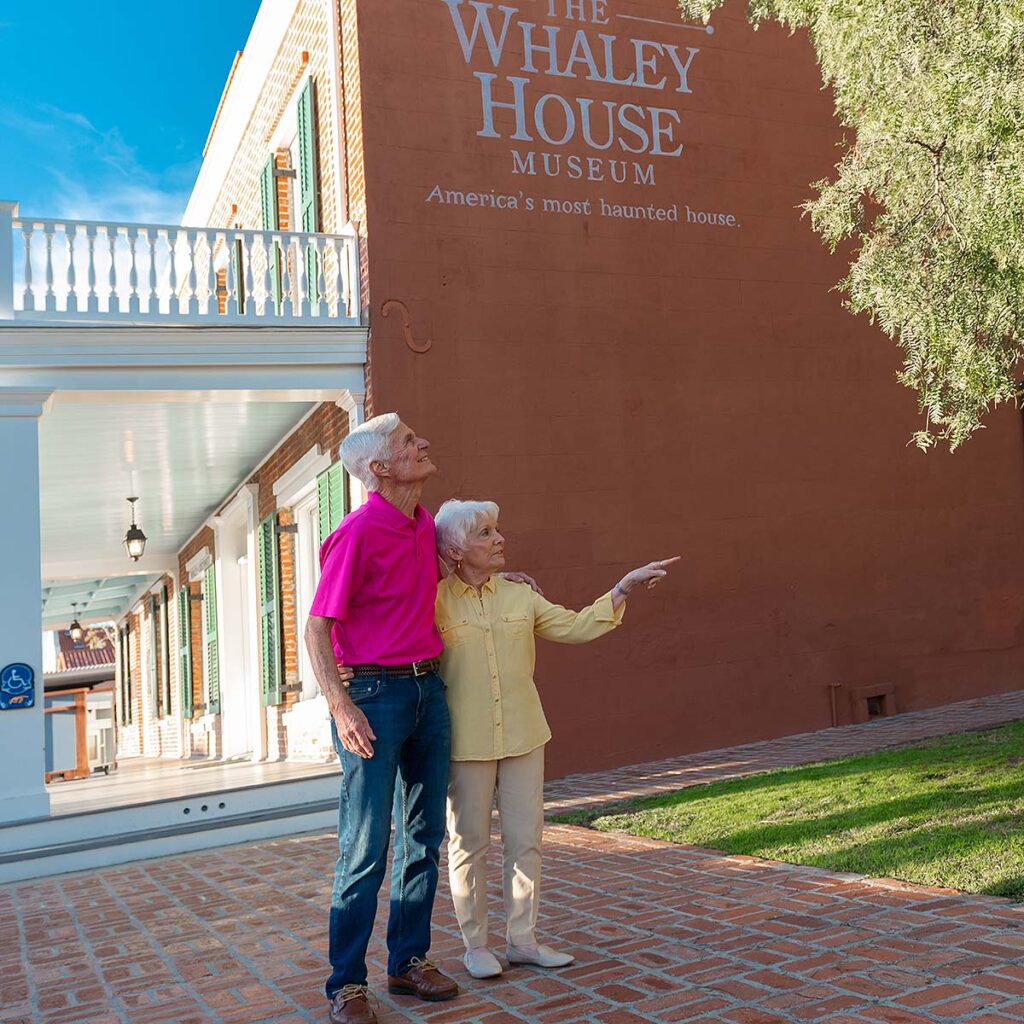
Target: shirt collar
{"points": [[461, 587], [395, 517]]}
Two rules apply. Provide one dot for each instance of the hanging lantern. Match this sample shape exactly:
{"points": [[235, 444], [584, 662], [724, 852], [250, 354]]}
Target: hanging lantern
{"points": [[134, 539], [75, 630]]}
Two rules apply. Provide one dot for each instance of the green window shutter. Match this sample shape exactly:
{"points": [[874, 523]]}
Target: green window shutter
{"points": [[339, 494], [323, 504], [238, 275], [126, 679], [154, 683], [271, 222], [268, 196], [309, 176], [120, 676], [185, 650], [331, 498], [212, 656], [165, 652], [309, 180], [270, 612]]}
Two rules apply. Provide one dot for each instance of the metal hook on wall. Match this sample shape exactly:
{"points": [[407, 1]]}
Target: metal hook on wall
{"points": [[410, 340]]}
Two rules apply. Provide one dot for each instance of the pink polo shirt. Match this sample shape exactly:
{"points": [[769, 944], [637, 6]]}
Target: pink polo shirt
{"points": [[378, 581]]}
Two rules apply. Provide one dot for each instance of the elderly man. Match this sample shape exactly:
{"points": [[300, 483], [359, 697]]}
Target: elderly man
{"points": [[374, 612]]}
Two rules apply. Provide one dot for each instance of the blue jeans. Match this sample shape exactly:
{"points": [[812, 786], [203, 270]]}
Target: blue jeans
{"points": [[409, 716]]}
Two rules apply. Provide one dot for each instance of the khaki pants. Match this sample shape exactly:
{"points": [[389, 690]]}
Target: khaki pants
{"points": [[520, 785]]}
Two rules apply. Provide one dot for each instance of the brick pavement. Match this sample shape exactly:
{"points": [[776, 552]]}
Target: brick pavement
{"points": [[662, 933]]}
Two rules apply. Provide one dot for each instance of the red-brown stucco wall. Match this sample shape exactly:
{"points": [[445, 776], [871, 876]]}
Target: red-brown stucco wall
{"points": [[631, 390]]}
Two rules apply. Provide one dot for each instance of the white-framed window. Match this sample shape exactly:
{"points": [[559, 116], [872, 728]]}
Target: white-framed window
{"points": [[307, 575]]}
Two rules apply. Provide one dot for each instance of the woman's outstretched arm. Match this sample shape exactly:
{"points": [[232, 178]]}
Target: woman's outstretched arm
{"points": [[563, 625]]}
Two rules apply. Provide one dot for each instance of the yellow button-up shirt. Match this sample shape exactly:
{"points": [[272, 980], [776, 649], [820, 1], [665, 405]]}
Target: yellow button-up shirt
{"points": [[489, 657]]}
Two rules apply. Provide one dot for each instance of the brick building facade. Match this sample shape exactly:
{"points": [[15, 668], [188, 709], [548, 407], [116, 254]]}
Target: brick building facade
{"points": [[631, 343], [256, 138]]}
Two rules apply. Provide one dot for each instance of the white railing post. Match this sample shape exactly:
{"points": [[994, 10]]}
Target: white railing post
{"points": [[354, 291], [70, 234], [173, 307], [8, 212], [94, 302], [248, 309], [51, 295], [302, 277], [321, 277], [193, 278], [113, 300], [286, 279], [133, 270], [152, 299], [211, 305]]}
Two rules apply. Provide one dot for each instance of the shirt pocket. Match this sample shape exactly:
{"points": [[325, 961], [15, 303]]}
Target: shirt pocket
{"points": [[454, 634], [517, 626]]}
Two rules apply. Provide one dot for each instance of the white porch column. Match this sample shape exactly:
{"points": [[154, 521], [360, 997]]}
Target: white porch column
{"points": [[234, 531], [8, 211], [22, 762], [353, 403]]}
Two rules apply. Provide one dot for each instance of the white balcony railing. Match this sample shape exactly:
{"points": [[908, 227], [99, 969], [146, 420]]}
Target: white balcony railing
{"points": [[66, 271]]}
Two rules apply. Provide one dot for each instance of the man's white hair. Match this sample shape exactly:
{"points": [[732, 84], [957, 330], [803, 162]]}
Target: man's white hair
{"points": [[456, 520], [369, 443]]}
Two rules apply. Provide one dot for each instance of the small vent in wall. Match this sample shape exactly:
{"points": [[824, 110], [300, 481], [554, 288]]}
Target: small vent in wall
{"points": [[869, 703]]}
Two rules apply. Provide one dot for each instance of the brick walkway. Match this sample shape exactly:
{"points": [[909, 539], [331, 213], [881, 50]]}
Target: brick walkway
{"points": [[662, 933], [578, 791]]}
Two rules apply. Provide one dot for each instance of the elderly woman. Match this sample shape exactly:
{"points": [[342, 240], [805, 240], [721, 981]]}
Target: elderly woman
{"points": [[499, 731]]}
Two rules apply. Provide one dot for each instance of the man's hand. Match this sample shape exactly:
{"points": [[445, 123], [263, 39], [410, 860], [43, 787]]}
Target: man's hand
{"points": [[353, 729], [521, 577]]}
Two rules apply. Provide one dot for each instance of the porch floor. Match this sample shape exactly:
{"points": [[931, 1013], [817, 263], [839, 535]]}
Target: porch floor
{"points": [[146, 780]]}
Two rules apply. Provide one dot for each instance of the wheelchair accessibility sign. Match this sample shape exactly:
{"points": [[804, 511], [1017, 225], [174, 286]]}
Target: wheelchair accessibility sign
{"points": [[17, 687]]}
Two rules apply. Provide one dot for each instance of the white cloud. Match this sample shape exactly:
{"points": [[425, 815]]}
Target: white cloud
{"points": [[94, 174], [65, 115], [134, 203]]}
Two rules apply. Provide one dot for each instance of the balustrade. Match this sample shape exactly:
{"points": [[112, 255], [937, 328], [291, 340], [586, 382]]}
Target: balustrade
{"points": [[100, 272]]}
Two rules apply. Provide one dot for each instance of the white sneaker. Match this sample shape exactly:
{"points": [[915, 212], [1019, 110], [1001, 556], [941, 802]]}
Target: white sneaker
{"points": [[481, 962], [539, 956]]}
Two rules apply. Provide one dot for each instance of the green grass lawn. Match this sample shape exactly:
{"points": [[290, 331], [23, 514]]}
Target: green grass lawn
{"points": [[947, 812]]}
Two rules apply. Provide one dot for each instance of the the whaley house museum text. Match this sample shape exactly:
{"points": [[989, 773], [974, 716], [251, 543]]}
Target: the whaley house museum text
{"points": [[583, 47]]}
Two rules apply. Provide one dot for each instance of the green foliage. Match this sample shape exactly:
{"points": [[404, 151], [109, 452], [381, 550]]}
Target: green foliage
{"points": [[931, 185], [947, 812]]}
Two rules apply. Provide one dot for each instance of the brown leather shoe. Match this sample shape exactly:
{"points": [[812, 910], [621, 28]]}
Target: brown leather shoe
{"points": [[351, 1005], [424, 981]]}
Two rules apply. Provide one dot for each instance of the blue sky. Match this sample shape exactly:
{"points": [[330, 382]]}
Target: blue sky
{"points": [[105, 106]]}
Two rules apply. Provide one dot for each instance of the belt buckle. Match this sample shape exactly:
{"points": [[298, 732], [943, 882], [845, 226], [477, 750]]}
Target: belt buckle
{"points": [[421, 668]]}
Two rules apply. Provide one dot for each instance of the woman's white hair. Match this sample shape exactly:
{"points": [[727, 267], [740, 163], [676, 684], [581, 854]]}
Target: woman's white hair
{"points": [[456, 520], [369, 443]]}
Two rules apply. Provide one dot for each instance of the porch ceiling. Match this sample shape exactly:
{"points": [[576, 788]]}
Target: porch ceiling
{"points": [[97, 600], [181, 458]]}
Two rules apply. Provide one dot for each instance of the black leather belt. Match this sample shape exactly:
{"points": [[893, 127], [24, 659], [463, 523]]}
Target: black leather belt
{"points": [[417, 668]]}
